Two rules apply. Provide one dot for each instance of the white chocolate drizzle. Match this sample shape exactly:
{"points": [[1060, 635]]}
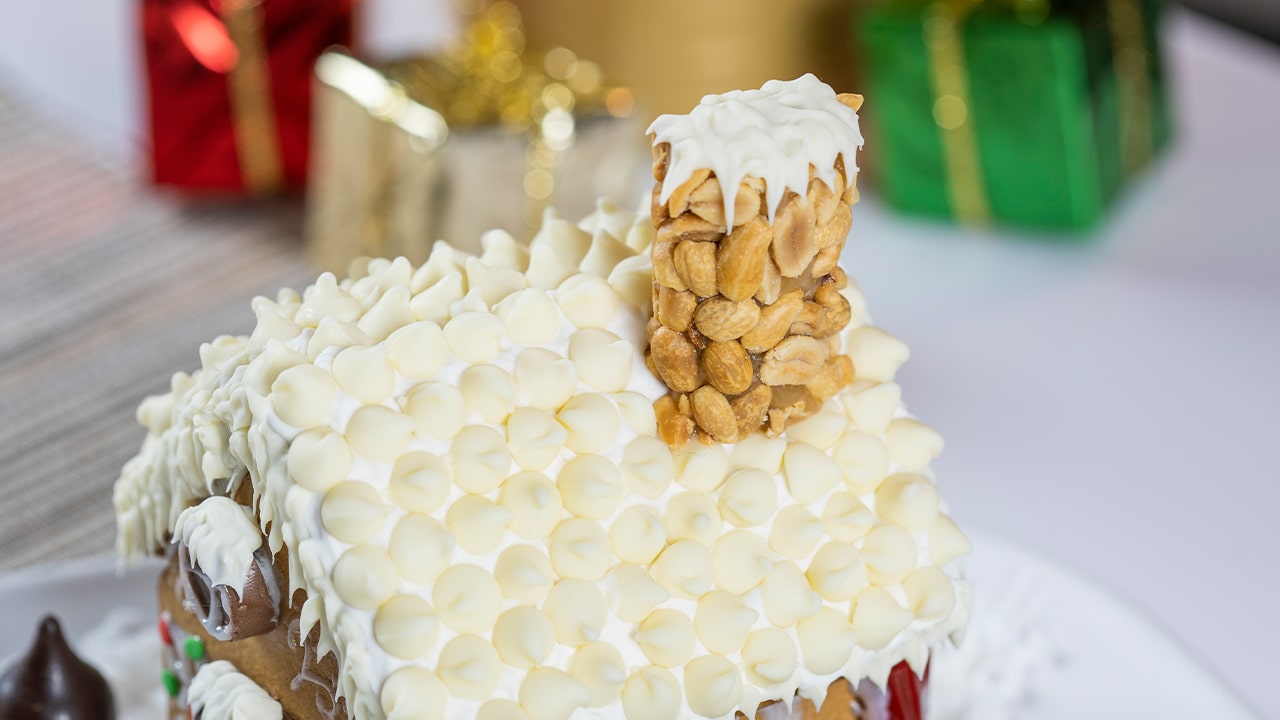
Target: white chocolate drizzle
{"points": [[221, 692], [775, 133], [221, 537]]}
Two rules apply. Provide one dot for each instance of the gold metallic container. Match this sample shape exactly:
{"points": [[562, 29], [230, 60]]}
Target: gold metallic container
{"points": [[445, 148], [672, 52]]}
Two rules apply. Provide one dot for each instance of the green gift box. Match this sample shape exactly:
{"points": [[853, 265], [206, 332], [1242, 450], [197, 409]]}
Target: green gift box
{"points": [[1032, 113]]}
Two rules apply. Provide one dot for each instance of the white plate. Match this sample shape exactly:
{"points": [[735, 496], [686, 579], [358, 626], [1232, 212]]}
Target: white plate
{"points": [[1044, 643]]}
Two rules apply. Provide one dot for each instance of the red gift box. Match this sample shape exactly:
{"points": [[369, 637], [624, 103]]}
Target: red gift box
{"points": [[229, 88]]}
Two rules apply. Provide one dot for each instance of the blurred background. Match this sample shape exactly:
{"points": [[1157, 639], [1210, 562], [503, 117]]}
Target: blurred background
{"points": [[1068, 216]]}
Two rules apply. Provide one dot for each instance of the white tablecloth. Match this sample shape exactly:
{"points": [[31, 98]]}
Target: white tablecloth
{"points": [[1113, 404]]}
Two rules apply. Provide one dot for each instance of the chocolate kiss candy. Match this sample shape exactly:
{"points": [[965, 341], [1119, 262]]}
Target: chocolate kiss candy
{"points": [[51, 683]]}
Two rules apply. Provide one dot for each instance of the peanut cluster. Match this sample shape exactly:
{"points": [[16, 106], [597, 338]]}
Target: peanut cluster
{"points": [[747, 319]]}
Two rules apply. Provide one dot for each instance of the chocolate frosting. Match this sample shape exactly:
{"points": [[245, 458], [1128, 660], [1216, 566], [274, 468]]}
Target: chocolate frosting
{"points": [[51, 683]]}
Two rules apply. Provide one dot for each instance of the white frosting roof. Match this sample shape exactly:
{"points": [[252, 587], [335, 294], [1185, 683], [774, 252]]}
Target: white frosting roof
{"points": [[462, 460], [775, 133]]}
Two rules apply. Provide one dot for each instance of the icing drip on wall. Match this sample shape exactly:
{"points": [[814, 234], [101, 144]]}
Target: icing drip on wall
{"points": [[225, 613], [221, 537], [220, 692], [318, 671]]}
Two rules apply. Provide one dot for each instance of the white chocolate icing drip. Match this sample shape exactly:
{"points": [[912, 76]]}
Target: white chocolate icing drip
{"points": [[462, 460], [220, 692], [221, 537], [775, 133]]}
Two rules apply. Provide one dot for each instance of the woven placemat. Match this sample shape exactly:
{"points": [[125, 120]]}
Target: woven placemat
{"points": [[107, 287]]}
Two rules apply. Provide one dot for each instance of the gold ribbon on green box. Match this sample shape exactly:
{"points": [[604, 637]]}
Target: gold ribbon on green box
{"points": [[1132, 75], [950, 82]]}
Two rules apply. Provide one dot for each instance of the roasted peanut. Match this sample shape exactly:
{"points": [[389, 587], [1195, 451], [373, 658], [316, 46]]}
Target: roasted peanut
{"points": [[746, 204], [794, 361], [695, 263], [750, 407], [676, 430], [806, 319], [741, 259], [790, 404], [826, 260], [727, 367], [713, 414], [664, 407], [835, 314], [675, 308], [775, 322], [676, 359], [790, 396], [837, 188], [826, 383], [850, 195], [835, 228], [853, 101], [688, 227], [779, 418], [771, 283], [707, 202], [722, 319], [824, 200], [657, 208], [793, 241], [678, 201], [674, 427], [664, 266]]}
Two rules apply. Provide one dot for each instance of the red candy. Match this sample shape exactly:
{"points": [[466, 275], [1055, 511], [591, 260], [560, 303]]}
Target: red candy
{"points": [[163, 626], [905, 690]]}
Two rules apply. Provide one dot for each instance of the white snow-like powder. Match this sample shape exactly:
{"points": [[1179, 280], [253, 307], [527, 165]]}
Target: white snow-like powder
{"points": [[125, 648]]}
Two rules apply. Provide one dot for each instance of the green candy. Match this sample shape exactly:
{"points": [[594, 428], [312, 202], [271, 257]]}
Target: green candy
{"points": [[193, 647], [171, 683]]}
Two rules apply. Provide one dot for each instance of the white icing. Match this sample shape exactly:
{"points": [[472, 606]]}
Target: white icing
{"points": [[221, 537], [220, 692], [573, 519], [775, 133]]}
